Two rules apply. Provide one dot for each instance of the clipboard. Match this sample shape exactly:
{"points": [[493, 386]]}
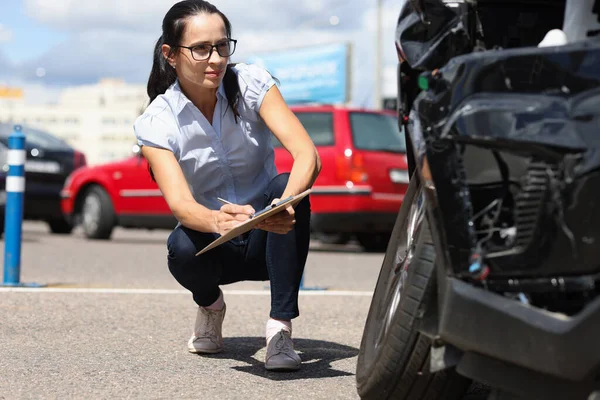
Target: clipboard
{"points": [[258, 217]]}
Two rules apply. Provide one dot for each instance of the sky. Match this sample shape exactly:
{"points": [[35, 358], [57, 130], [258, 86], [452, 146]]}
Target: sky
{"points": [[46, 45]]}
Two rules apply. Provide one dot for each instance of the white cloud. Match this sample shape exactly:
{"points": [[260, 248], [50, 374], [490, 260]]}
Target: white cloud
{"points": [[253, 42], [6, 68], [316, 6], [6, 35], [92, 55], [76, 15], [147, 15], [115, 38]]}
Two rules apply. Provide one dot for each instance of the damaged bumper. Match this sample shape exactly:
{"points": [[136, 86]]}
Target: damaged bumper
{"points": [[482, 322], [508, 143]]}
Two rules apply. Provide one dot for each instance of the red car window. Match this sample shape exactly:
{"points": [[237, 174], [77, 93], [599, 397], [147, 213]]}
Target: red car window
{"points": [[319, 126], [376, 132]]}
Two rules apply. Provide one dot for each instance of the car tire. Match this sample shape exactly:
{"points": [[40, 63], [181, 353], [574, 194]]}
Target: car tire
{"points": [[97, 214], [394, 357], [60, 226], [373, 242]]}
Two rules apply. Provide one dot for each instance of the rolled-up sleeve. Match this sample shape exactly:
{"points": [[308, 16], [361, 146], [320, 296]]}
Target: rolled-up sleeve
{"points": [[254, 83], [154, 131]]}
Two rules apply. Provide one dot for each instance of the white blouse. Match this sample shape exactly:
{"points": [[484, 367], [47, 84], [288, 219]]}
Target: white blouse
{"points": [[234, 161]]}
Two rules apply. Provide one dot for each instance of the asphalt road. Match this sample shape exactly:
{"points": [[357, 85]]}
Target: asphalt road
{"points": [[113, 323]]}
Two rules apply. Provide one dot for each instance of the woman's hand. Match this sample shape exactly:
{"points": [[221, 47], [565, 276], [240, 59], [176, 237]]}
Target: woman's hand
{"points": [[281, 223], [231, 215]]}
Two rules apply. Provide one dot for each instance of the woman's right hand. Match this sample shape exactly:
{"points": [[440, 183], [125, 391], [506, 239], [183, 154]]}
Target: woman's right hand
{"points": [[231, 215]]}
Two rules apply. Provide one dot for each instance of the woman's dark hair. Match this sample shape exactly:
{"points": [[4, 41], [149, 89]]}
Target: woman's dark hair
{"points": [[163, 75]]}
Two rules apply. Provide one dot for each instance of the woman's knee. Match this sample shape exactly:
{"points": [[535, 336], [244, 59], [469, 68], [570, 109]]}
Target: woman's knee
{"points": [[200, 274], [182, 246], [277, 185]]}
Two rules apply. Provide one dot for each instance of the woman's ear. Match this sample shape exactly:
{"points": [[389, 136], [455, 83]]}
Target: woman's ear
{"points": [[169, 55]]}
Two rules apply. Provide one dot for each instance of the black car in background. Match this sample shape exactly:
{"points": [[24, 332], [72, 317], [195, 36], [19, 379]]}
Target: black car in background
{"points": [[49, 161]]}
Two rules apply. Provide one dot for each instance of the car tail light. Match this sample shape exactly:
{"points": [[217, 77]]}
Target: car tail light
{"points": [[350, 167], [79, 160]]}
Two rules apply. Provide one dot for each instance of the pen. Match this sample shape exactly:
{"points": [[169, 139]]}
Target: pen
{"points": [[224, 201], [228, 202]]}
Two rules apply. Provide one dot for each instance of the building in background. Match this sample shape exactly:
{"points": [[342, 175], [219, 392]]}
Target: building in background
{"points": [[95, 119]]}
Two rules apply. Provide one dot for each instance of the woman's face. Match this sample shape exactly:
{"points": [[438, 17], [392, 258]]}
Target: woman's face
{"points": [[201, 32]]}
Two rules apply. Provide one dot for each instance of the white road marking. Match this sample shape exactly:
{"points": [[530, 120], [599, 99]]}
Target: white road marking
{"points": [[173, 291]]}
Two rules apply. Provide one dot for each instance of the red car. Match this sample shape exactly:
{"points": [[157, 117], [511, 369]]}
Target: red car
{"points": [[364, 171], [359, 191]]}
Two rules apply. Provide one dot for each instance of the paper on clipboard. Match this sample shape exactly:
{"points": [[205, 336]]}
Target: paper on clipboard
{"points": [[252, 222]]}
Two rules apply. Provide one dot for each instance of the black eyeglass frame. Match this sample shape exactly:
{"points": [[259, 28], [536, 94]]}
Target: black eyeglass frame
{"points": [[212, 48]]}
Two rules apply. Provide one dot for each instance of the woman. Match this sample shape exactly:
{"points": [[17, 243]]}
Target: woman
{"points": [[206, 135]]}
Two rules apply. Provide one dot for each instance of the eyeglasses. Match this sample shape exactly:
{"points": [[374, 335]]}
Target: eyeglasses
{"points": [[202, 52]]}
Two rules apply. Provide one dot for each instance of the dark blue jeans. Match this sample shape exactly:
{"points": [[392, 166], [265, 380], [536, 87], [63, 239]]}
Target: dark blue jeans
{"points": [[257, 256]]}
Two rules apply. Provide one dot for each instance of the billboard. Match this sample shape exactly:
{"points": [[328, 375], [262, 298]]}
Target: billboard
{"points": [[317, 74]]}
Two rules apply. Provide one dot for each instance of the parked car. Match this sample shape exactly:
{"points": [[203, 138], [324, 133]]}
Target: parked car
{"points": [[49, 160], [359, 190], [120, 193], [491, 274], [364, 175]]}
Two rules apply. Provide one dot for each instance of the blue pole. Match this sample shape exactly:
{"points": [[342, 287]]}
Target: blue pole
{"points": [[13, 214]]}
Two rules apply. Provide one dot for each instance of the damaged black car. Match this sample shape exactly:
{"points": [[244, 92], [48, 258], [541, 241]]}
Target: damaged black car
{"points": [[492, 272]]}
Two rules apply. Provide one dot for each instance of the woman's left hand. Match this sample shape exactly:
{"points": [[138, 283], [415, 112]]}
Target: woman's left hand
{"points": [[281, 223]]}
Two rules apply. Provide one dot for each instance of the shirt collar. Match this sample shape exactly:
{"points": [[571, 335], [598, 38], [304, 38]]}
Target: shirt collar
{"points": [[181, 100], [221, 91]]}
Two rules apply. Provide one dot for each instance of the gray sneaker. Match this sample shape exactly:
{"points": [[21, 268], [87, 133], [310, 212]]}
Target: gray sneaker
{"points": [[207, 337], [280, 353]]}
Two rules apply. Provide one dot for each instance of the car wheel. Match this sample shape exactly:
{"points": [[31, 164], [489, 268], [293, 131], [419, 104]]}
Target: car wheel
{"points": [[98, 215], [394, 357], [373, 242], [60, 226]]}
